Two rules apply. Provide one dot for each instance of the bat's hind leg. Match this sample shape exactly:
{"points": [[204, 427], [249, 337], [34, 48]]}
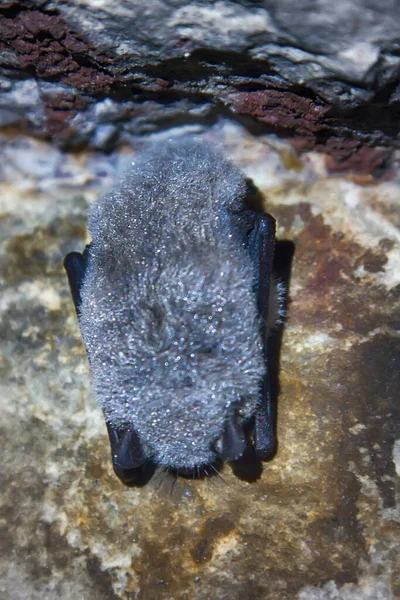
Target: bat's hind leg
{"points": [[261, 243]]}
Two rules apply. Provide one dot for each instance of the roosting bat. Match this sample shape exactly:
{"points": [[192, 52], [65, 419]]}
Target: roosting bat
{"points": [[175, 297]]}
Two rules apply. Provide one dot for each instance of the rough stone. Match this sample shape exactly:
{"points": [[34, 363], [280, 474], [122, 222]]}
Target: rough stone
{"points": [[326, 73], [319, 521]]}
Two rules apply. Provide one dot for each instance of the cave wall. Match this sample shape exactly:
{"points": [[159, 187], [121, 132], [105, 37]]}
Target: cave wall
{"points": [[325, 75]]}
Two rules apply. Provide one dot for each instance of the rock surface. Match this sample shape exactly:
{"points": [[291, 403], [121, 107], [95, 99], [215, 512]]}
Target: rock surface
{"points": [[94, 73], [320, 521]]}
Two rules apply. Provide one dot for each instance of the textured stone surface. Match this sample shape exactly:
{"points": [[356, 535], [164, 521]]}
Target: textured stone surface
{"points": [[94, 72], [320, 521]]}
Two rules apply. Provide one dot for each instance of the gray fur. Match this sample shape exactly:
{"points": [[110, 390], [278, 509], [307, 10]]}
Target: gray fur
{"points": [[168, 313]]}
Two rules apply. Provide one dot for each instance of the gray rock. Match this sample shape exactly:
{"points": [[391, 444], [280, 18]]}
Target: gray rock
{"points": [[20, 101], [338, 60]]}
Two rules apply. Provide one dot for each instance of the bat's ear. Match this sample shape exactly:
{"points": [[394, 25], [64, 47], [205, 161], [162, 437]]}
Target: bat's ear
{"points": [[127, 452], [129, 461], [233, 440]]}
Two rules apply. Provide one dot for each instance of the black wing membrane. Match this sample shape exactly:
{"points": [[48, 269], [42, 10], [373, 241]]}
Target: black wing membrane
{"points": [[261, 244], [128, 460], [75, 265]]}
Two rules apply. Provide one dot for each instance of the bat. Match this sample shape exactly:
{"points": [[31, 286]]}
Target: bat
{"points": [[175, 297]]}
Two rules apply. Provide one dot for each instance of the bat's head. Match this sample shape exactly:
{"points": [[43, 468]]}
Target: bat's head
{"points": [[176, 354]]}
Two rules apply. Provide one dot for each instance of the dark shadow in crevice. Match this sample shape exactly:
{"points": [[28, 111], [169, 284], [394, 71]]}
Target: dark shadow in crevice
{"points": [[249, 466], [138, 477], [284, 254]]}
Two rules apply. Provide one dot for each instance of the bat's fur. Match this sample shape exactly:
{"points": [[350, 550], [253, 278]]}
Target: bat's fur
{"points": [[168, 313]]}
